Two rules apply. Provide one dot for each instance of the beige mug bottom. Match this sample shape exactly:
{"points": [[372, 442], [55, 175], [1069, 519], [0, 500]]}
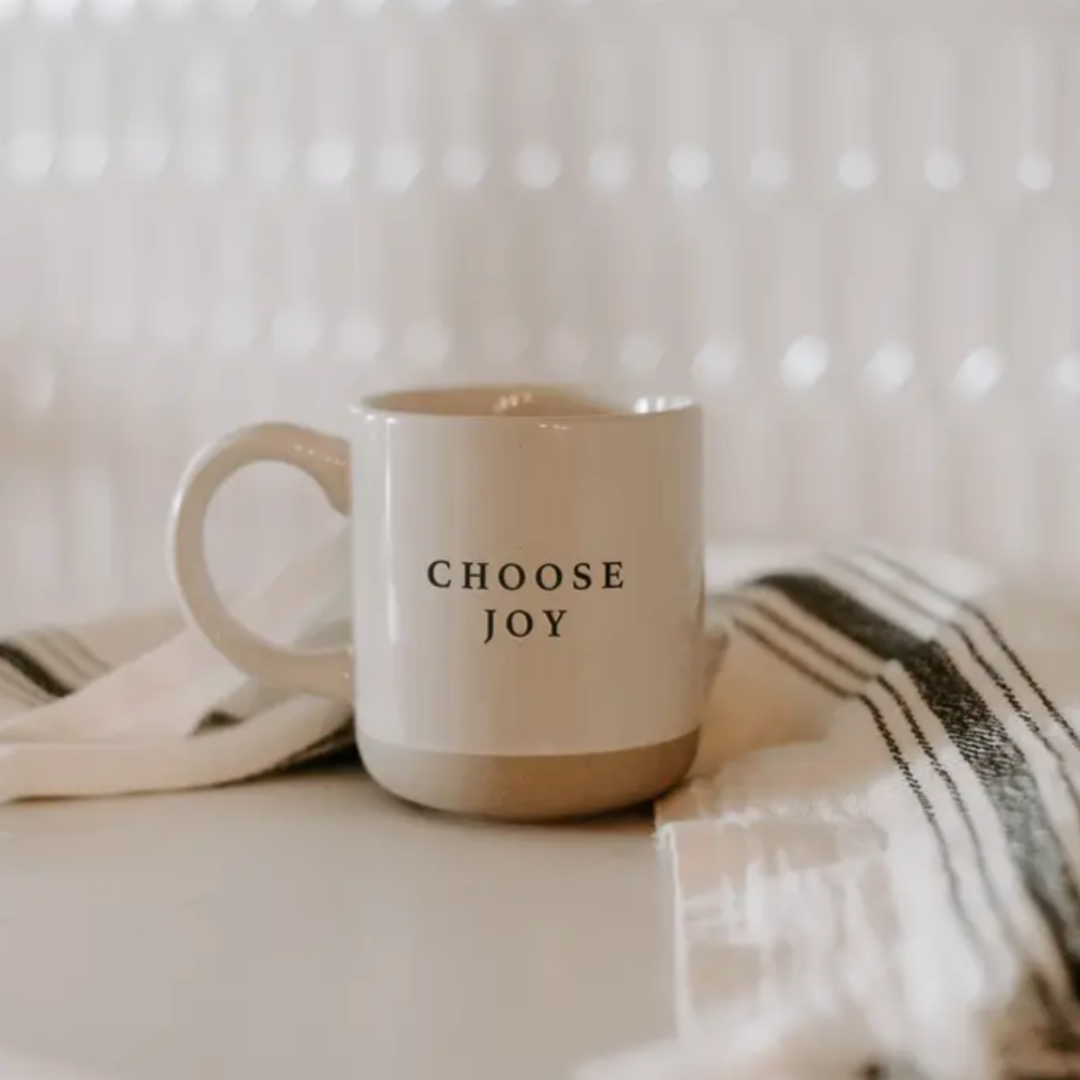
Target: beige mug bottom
{"points": [[529, 788]]}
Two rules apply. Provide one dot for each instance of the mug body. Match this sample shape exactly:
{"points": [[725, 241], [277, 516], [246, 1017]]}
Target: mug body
{"points": [[528, 576]]}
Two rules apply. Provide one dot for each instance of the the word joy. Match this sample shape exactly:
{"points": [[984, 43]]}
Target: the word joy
{"points": [[520, 623]]}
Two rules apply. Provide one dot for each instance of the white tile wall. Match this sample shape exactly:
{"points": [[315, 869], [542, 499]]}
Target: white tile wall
{"points": [[851, 227]]}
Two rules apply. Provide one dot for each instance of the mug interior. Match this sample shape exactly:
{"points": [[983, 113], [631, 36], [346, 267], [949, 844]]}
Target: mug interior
{"points": [[565, 402]]}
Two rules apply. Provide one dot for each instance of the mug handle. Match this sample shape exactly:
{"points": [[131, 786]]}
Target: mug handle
{"points": [[325, 458]]}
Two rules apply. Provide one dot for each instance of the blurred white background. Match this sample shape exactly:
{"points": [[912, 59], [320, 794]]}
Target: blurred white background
{"points": [[850, 227]]}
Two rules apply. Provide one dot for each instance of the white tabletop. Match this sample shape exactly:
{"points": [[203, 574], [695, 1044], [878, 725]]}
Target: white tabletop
{"points": [[313, 927]]}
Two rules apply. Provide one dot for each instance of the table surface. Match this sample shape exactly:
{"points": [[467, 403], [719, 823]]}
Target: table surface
{"points": [[311, 926]]}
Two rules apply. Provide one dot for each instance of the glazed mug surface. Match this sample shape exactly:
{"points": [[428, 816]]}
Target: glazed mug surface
{"points": [[528, 591]]}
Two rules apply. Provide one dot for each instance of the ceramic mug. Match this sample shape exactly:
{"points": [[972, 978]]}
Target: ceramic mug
{"points": [[527, 571]]}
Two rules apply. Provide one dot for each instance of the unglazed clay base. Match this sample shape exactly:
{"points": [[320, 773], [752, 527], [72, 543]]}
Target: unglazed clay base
{"points": [[529, 788]]}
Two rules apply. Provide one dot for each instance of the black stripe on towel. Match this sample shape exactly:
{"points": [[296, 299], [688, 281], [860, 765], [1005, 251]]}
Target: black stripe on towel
{"points": [[904, 768], [998, 638], [993, 898], [217, 720], [20, 691], [1007, 690], [902, 765], [791, 660], [843, 613], [338, 746], [785, 624], [982, 741], [64, 655], [15, 656], [47, 652]]}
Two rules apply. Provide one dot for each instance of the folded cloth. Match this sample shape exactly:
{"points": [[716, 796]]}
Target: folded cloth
{"points": [[141, 703], [877, 860]]}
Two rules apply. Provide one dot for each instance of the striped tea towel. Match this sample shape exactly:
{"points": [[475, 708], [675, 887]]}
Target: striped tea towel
{"points": [[877, 861], [141, 703]]}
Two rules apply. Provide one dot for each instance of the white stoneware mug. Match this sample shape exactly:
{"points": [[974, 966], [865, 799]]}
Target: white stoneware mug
{"points": [[528, 585]]}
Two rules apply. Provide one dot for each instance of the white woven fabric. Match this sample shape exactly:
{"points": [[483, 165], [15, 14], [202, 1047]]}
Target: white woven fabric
{"points": [[141, 703]]}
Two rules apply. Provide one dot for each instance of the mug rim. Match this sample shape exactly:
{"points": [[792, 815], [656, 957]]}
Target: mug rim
{"points": [[617, 402]]}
